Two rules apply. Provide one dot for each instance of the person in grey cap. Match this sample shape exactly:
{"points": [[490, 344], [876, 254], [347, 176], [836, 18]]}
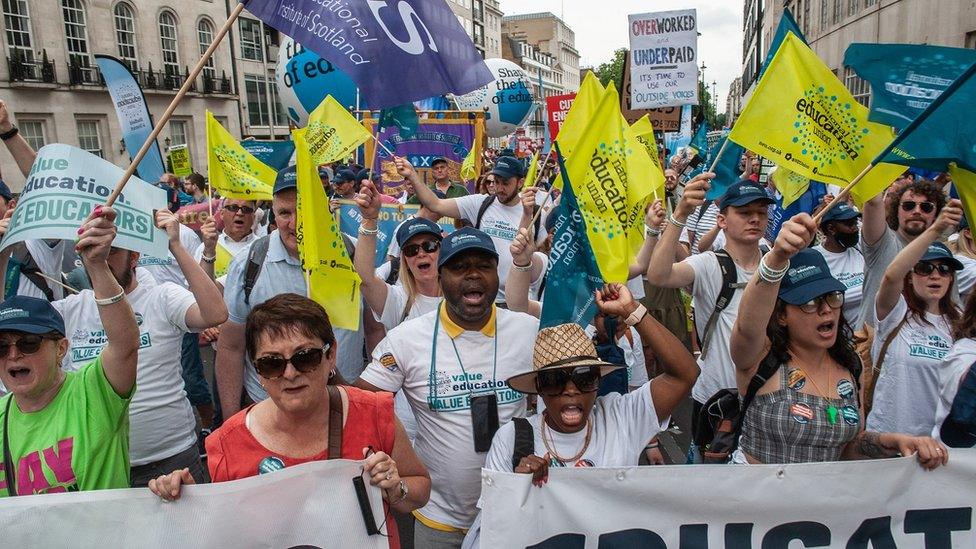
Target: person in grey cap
{"points": [[796, 369], [269, 267]]}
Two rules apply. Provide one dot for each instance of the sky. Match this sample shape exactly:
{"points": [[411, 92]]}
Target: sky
{"points": [[601, 28]]}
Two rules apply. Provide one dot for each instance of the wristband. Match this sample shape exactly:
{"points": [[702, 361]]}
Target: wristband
{"points": [[635, 317], [766, 274], [402, 496], [111, 300], [651, 446], [210, 259], [368, 232], [675, 222], [651, 231], [9, 133], [522, 268]]}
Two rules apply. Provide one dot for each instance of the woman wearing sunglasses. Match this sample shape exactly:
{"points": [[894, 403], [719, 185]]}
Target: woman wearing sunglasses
{"points": [[805, 406], [307, 418], [915, 311], [419, 239]]}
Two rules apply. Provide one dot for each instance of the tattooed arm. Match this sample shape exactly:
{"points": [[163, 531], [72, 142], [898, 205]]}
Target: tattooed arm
{"points": [[871, 445]]}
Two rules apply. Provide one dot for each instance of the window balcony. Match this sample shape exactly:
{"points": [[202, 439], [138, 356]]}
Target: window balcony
{"points": [[31, 70]]}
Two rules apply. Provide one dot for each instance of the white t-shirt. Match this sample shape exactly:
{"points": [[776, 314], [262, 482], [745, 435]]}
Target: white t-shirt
{"points": [[955, 365], [501, 223], [700, 225], [396, 300], [49, 260], [717, 369], [907, 390], [966, 278], [161, 422], [848, 268], [166, 269], [636, 287], [404, 361], [232, 246]]}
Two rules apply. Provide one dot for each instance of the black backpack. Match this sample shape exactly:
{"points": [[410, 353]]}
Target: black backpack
{"points": [[524, 440], [22, 262]]}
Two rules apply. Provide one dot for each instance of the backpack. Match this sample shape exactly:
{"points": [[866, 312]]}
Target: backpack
{"points": [[524, 440], [22, 263], [487, 203], [256, 255], [729, 285]]}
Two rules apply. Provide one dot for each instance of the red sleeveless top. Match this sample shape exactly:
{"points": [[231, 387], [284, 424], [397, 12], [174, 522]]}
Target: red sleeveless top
{"points": [[233, 452]]}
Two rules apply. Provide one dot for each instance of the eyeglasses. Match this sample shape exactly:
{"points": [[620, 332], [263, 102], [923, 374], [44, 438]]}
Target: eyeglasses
{"points": [[909, 205], [551, 382], [305, 361], [428, 246], [234, 208], [925, 268], [28, 345], [834, 299]]}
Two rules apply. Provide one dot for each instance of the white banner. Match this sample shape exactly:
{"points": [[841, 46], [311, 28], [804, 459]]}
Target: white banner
{"points": [[881, 504], [663, 59], [311, 505], [63, 187]]}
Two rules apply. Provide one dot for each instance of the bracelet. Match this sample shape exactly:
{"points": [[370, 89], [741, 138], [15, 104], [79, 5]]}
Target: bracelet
{"points": [[522, 268], [635, 317], [402, 496], [675, 222], [110, 300], [368, 232], [651, 231], [767, 274], [9, 133], [652, 446], [208, 259]]}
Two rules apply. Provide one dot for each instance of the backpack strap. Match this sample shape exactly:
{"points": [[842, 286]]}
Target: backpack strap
{"points": [[394, 274], [729, 286], [876, 367], [482, 209], [335, 422], [255, 261], [524, 440], [30, 269], [767, 369]]}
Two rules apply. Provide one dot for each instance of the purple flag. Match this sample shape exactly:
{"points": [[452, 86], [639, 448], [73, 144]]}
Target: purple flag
{"points": [[397, 51]]}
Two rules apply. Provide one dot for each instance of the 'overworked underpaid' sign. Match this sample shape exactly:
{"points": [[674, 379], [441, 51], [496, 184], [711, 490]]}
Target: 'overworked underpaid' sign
{"points": [[663, 59]]}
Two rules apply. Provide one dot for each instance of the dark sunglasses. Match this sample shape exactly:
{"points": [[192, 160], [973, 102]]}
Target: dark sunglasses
{"points": [[305, 361], [835, 300], [234, 208], [909, 205], [28, 345], [925, 268], [551, 382], [429, 246]]}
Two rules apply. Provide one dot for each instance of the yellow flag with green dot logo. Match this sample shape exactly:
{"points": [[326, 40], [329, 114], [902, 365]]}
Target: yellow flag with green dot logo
{"points": [[233, 171], [332, 133]]}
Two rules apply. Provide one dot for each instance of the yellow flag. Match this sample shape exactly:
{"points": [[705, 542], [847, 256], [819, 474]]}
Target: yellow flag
{"points": [[965, 183], [789, 184], [612, 176], [644, 133], [580, 113], [233, 171], [533, 172], [332, 133], [332, 283], [222, 261], [471, 165]]}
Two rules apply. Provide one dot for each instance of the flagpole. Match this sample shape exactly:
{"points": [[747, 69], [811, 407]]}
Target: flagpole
{"points": [[841, 196], [173, 104], [718, 155]]}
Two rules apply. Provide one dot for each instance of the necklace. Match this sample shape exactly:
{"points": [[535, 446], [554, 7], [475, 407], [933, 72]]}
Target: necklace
{"points": [[551, 448], [830, 409]]}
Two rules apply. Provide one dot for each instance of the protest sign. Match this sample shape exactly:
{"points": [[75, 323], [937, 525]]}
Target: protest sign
{"points": [[63, 187], [309, 505], [663, 59], [195, 215], [848, 504], [557, 107], [275, 154], [391, 215], [664, 119], [179, 160]]}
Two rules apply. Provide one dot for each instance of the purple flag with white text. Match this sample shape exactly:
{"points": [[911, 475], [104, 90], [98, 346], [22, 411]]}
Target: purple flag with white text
{"points": [[397, 51]]}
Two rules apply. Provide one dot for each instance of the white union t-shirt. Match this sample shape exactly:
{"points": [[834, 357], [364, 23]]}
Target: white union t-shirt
{"points": [[955, 366]]}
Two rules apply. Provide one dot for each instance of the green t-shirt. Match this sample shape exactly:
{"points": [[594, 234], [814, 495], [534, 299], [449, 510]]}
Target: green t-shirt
{"points": [[80, 441], [454, 191]]}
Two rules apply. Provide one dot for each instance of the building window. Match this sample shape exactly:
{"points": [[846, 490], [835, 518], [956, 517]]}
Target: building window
{"points": [[177, 132], [168, 43], [76, 32], [205, 36], [824, 15], [869, 3], [852, 6], [280, 118], [251, 40], [838, 14], [33, 132], [125, 34], [858, 86], [256, 89], [88, 136], [806, 17], [16, 19]]}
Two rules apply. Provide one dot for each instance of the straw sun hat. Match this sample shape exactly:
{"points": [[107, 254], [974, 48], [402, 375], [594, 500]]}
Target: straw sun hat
{"points": [[564, 346]]}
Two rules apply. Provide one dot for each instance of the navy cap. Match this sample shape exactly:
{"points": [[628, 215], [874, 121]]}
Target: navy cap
{"points": [[438, 160], [5, 191], [342, 176], [22, 313], [939, 252], [507, 167], [840, 212], [743, 192], [506, 152], [412, 227], [366, 174], [324, 171], [287, 178], [807, 278], [463, 240]]}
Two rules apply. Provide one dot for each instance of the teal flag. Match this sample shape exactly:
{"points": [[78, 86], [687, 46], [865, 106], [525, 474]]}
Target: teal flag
{"points": [[943, 133], [906, 78], [699, 141], [573, 274], [786, 25], [404, 117], [727, 170]]}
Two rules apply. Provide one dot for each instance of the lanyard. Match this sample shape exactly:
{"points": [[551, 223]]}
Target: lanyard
{"points": [[431, 380], [8, 463]]}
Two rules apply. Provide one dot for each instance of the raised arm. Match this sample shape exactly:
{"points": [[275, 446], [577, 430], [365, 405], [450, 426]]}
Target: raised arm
{"points": [[873, 220], [653, 223], [120, 356], [446, 207], [209, 235], [18, 147], [209, 309], [663, 271], [892, 281], [749, 342], [518, 281], [374, 288]]}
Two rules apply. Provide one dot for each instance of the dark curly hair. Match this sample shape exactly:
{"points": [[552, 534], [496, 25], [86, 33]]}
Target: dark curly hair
{"points": [[842, 350], [926, 187]]}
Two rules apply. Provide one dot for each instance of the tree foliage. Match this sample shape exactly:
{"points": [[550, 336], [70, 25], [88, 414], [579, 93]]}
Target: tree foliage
{"points": [[613, 70]]}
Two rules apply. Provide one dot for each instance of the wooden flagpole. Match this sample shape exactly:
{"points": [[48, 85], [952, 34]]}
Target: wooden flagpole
{"points": [[842, 196]]}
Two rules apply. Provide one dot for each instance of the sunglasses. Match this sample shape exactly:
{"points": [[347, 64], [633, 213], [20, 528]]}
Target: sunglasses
{"points": [[909, 205], [234, 208], [835, 300], [27, 345], [552, 382], [428, 246], [925, 268], [305, 361]]}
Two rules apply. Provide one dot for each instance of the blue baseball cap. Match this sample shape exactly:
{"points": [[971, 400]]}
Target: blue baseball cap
{"points": [[412, 227], [939, 252], [743, 192], [840, 212], [807, 278], [463, 240], [5, 191], [324, 171], [31, 315], [507, 167], [342, 176], [287, 178]]}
